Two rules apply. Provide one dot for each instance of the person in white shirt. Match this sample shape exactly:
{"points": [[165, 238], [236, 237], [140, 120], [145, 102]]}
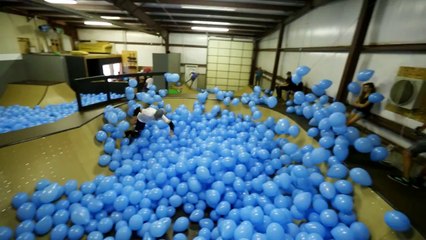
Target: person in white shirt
{"points": [[145, 115]]}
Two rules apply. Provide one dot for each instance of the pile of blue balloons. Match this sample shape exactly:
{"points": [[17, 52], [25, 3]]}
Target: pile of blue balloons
{"points": [[236, 178], [18, 117], [93, 98]]}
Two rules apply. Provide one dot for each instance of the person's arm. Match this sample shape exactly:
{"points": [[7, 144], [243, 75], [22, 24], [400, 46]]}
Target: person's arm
{"points": [[168, 121]]}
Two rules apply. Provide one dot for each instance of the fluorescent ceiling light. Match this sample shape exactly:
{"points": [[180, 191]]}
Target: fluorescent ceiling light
{"points": [[210, 29], [211, 23], [199, 7], [111, 17], [62, 1], [96, 23]]}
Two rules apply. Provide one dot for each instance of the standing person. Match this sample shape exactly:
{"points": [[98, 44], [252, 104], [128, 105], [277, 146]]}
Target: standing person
{"points": [[289, 86], [407, 161], [143, 116], [258, 76], [362, 106], [192, 77]]}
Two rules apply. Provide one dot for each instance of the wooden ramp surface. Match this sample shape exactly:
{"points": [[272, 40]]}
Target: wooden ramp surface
{"points": [[23, 94]]}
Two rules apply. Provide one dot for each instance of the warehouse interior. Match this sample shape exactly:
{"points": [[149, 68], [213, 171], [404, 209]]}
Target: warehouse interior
{"points": [[71, 60]]}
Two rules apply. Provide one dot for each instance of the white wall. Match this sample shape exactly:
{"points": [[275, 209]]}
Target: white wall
{"points": [[323, 66], [330, 25], [393, 22], [13, 27], [270, 41], [140, 42], [398, 21]]}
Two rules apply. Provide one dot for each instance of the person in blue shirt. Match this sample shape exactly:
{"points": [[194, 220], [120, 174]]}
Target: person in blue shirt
{"points": [[258, 76], [192, 77]]}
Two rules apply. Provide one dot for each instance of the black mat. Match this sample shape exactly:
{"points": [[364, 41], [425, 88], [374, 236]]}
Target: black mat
{"points": [[408, 200]]}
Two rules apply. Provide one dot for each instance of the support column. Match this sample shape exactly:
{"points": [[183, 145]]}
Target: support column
{"points": [[367, 10], [277, 57]]}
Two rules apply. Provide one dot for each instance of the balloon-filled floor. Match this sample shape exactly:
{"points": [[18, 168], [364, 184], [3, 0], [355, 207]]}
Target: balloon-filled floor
{"points": [[74, 155]]}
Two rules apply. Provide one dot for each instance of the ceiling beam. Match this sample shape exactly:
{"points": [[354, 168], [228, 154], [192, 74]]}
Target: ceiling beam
{"points": [[140, 14], [232, 21], [188, 26], [227, 4], [156, 11], [68, 10]]}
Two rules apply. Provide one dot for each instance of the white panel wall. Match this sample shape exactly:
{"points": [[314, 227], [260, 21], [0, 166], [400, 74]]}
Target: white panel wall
{"points": [[386, 68], [142, 37], [398, 21], [191, 55], [100, 35], [330, 25], [323, 66], [269, 41], [188, 39], [266, 60]]}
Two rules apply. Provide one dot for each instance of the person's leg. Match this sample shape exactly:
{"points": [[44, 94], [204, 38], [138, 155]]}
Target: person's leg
{"points": [[279, 92], [354, 118], [407, 163]]}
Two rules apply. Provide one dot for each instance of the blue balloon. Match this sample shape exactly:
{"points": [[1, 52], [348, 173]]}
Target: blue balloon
{"points": [[302, 201], [227, 229], [296, 78], [181, 224], [329, 218], [133, 83], [244, 231], [365, 75], [26, 211], [363, 145], [379, 154], [5, 233], [317, 90], [302, 70], [173, 77], [275, 231], [342, 232], [360, 230], [397, 221], [337, 171], [313, 132], [375, 97], [327, 190], [80, 216], [271, 102], [360, 176], [324, 84], [337, 119], [59, 232], [343, 203], [44, 225], [294, 131], [344, 186], [354, 88]]}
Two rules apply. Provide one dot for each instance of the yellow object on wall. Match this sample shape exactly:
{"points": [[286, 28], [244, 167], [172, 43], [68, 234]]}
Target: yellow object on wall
{"points": [[96, 47]]}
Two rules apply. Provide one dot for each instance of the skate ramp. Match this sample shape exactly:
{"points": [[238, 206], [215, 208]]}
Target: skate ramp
{"points": [[57, 94], [23, 94]]}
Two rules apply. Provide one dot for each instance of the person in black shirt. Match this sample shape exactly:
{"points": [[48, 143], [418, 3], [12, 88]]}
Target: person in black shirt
{"points": [[288, 86], [362, 106]]}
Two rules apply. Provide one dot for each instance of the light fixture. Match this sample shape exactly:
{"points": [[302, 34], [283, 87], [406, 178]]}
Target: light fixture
{"points": [[199, 7], [210, 29], [211, 23], [96, 23], [62, 1], [111, 17]]}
